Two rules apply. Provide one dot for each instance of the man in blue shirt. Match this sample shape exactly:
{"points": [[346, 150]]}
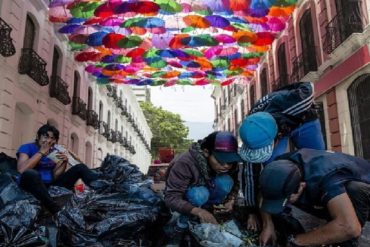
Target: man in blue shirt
{"points": [[332, 186], [38, 171]]}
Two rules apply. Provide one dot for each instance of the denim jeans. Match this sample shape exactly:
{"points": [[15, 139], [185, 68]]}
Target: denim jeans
{"points": [[308, 135], [214, 194]]}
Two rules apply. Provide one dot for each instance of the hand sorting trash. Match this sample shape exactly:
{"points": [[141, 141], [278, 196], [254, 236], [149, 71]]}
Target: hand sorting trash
{"points": [[227, 234]]}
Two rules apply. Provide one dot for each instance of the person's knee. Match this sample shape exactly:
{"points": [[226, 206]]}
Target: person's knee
{"points": [[224, 182], [80, 167], [197, 196], [355, 188]]}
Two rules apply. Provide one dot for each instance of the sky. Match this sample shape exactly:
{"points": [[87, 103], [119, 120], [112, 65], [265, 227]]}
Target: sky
{"points": [[193, 103]]}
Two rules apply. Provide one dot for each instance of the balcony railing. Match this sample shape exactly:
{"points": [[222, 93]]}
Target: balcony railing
{"points": [[59, 89], [79, 108], [7, 48], [104, 129], [33, 65], [340, 28], [112, 92], [303, 64], [113, 136], [125, 142], [92, 119]]}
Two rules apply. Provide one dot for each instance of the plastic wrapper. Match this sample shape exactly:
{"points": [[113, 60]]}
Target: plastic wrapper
{"points": [[60, 194]]}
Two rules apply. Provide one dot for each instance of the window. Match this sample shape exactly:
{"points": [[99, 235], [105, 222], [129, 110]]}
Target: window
{"points": [[283, 75], [252, 95], [108, 119], [76, 84], [116, 125], [242, 109], [263, 82], [56, 61], [30, 33], [100, 111], [359, 103], [307, 43], [89, 99]]}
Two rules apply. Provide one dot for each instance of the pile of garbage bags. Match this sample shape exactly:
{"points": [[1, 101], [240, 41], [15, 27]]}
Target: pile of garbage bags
{"points": [[119, 209]]}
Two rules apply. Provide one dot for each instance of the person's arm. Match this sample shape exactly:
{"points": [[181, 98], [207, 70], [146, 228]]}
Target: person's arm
{"points": [[343, 226], [60, 166], [25, 162], [267, 234]]}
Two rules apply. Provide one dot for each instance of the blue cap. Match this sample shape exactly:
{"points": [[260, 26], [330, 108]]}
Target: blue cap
{"points": [[257, 132], [279, 179]]}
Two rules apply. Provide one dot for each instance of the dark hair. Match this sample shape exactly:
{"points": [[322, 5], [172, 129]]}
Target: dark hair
{"points": [[45, 129], [209, 142]]}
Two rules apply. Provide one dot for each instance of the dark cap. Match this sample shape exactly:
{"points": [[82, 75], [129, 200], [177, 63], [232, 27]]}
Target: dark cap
{"points": [[279, 179], [223, 145]]}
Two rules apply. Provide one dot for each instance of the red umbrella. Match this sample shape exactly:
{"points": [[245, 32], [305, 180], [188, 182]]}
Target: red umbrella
{"points": [[264, 38], [137, 52], [111, 40]]}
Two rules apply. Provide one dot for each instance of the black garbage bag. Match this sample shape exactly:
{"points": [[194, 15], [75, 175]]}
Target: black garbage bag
{"points": [[18, 214], [8, 165], [60, 195]]}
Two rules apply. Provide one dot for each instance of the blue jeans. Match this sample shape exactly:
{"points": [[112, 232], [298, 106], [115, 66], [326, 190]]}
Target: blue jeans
{"points": [[220, 187], [308, 135]]}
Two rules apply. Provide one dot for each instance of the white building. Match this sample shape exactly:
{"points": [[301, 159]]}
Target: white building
{"points": [[42, 83], [142, 93]]}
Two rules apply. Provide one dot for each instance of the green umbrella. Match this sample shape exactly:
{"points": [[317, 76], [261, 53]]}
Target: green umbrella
{"points": [[129, 42], [184, 82], [152, 52], [241, 26], [220, 63], [187, 29], [123, 59], [158, 82], [157, 74], [84, 10], [252, 54], [233, 72], [169, 6], [193, 52], [132, 22], [76, 46], [156, 62]]}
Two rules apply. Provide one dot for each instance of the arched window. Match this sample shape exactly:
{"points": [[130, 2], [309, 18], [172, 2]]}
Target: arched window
{"points": [[252, 95], [263, 82], [76, 84], [74, 143], [55, 70], [88, 154], [359, 104], [283, 74], [242, 109], [29, 33], [100, 111], [116, 125], [308, 43], [89, 99], [108, 119]]}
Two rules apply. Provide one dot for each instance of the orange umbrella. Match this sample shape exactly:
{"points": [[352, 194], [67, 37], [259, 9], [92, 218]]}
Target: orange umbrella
{"points": [[171, 74], [245, 36], [281, 11], [196, 21]]}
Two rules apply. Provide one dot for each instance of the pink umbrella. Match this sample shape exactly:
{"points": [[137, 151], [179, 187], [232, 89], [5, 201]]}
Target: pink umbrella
{"points": [[224, 38], [111, 21]]}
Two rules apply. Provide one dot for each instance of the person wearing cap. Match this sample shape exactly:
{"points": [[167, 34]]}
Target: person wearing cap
{"points": [[204, 176], [331, 186], [288, 113]]}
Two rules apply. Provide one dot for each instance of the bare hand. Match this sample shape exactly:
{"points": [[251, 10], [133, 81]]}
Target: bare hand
{"points": [[206, 217], [46, 145], [229, 205], [252, 223], [267, 236], [62, 156]]}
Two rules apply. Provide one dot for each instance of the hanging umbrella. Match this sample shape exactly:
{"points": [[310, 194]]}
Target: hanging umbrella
{"points": [[275, 24], [96, 39], [69, 28], [227, 82], [57, 3], [106, 9], [225, 38], [245, 36], [168, 6], [264, 38], [78, 38], [111, 40], [259, 8], [130, 42], [111, 21], [136, 52], [199, 40], [196, 21], [217, 21]]}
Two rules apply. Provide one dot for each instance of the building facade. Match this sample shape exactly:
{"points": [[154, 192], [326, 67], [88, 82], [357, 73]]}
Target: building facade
{"points": [[326, 42], [142, 93], [41, 83]]}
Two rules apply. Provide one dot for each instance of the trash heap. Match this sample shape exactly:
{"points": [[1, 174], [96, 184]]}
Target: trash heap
{"points": [[121, 209]]}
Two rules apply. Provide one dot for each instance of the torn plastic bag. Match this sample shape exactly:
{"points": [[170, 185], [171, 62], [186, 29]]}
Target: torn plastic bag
{"points": [[10, 191], [60, 194]]}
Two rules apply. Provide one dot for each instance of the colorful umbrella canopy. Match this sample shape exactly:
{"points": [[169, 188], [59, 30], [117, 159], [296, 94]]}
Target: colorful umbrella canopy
{"points": [[171, 42]]}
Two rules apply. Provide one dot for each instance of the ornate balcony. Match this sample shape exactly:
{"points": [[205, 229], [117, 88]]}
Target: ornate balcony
{"points": [[92, 119], [119, 137], [7, 48], [340, 28], [33, 65], [59, 89], [112, 92], [79, 108], [104, 129], [125, 142], [303, 64], [113, 136]]}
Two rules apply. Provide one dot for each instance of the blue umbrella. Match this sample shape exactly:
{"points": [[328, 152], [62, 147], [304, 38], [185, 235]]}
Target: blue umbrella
{"points": [[96, 39]]}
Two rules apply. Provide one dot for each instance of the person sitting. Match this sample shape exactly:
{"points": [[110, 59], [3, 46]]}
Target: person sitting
{"points": [[331, 186], [38, 171], [204, 176]]}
